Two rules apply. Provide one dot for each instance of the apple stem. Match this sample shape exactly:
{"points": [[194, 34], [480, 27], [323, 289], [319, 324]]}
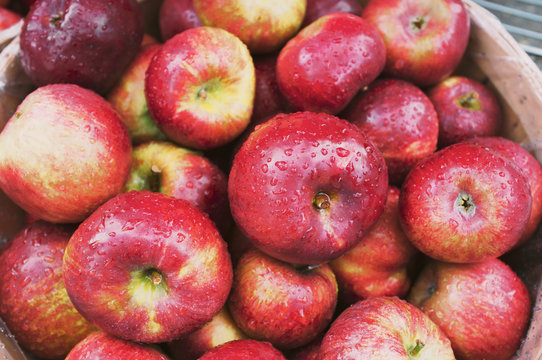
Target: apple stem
{"points": [[321, 201], [418, 23], [470, 101], [414, 351], [156, 277], [55, 19], [202, 94], [464, 202]]}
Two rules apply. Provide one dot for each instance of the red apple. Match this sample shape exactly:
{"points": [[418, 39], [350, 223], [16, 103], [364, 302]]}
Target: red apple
{"points": [[318, 8], [220, 330], [311, 351], [268, 99], [8, 18], [465, 204], [264, 26], [329, 61], [88, 43], [238, 244], [177, 16], [465, 108], [147, 267], [244, 350], [385, 328], [63, 153], [274, 301], [33, 299], [12, 219], [183, 174], [128, 98], [400, 119], [200, 87], [101, 346], [483, 308], [425, 39], [305, 187], [378, 264]]}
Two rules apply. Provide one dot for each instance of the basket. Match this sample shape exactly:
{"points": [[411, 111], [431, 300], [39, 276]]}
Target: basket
{"points": [[493, 57]]}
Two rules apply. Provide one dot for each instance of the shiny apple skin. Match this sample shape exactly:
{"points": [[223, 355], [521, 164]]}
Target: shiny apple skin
{"points": [[273, 301], [33, 300], [329, 61], [378, 264], [458, 122], [384, 328], [465, 204], [427, 56], [63, 153], [318, 8], [400, 119], [200, 87], [284, 165], [88, 43], [126, 237], [246, 349], [530, 167], [101, 346], [483, 308], [177, 16]]}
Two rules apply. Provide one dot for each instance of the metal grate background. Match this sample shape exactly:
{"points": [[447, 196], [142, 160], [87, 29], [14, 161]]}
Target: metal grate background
{"points": [[523, 19]]}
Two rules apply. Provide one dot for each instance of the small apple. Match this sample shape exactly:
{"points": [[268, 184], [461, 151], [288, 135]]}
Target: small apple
{"points": [[63, 153], [88, 43], [483, 308], [8, 18], [318, 8], [147, 267], [274, 301], [128, 98], [305, 187], [221, 329], [264, 26], [465, 108], [400, 119], [200, 87], [102, 346], [246, 349], [425, 39], [329, 61], [177, 16], [465, 204], [385, 328], [183, 174], [378, 264], [33, 300]]}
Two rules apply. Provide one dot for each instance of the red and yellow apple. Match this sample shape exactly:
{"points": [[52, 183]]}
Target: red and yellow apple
{"points": [[246, 349]]}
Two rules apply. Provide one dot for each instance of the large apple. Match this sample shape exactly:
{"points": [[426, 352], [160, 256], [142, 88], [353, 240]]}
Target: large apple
{"points": [[147, 267], [425, 39], [183, 174], [274, 301], [329, 61], [102, 346], [465, 203], [63, 153], [305, 187], [264, 26], [385, 328], [400, 119], [88, 43], [200, 87], [33, 299], [483, 308], [378, 264], [177, 16], [246, 349]]}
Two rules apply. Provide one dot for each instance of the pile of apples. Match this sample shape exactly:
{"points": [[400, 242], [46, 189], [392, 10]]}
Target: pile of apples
{"points": [[300, 179]]}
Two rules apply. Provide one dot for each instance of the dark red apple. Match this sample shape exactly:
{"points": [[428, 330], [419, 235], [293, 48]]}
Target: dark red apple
{"points": [[101, 346], [385, 328], [318, 8], [268, 99], [329, 61], [33, 300], [200, 87], [311, 351], [483, 308], [88, 43], [465, 108], [425, 39], [177, 16], [147, 267], [465, 204], [12, 219], [244, 350], [63, 153], [274, 301], [305, 187], [378, 264], [400, 119]]}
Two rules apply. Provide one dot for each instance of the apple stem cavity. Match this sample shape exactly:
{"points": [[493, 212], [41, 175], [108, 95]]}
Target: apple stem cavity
{"points": [[413, 351], [465, 204], [55, 19], [321, 201], [470, 101], [419, 23]]}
